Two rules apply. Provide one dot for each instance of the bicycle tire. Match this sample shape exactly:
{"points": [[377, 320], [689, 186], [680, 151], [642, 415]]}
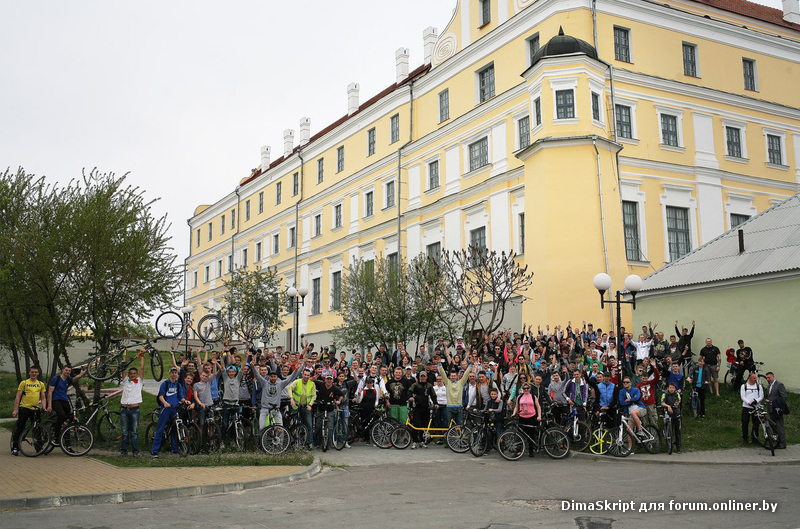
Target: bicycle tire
{"points": [[621, 446], [103, 367], [275, 439], [325, 437], [253, 326], [579, 437], [150, 434], [109, 428], [50, 424], [212, 439], [556, 443], [34, 440], [729, 379], [668, 435], [401, 437], [238, 436], [339, 433], [76, 440], [155, 413], [601, 440], [300, 436], [511, 445], [653, 446], [211, 328], [457, 438], [195, 439], [156, 365], [695, 403], [380, 434], [170, 325], [182, 434], [478, 443]]}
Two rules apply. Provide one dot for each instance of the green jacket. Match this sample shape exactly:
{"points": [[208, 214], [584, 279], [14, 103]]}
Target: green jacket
{"points": [[454, 389]]}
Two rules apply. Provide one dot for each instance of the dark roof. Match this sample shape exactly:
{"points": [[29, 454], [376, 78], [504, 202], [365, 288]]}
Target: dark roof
{"points": [[752, 10], [413, 75], [563, 45]]}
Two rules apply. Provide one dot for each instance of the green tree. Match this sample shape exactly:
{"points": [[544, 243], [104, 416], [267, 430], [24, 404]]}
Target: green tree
{"points": [[254, 292]]}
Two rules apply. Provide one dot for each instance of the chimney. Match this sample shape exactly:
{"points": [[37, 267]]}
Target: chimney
{"points": [[401, 64], [791, 11], [264, 158], [352, 97], [288, 142], [741, 240], [429, 37], [305, 130]]}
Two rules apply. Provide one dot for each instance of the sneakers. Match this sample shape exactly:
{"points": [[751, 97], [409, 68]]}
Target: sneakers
{"points": [[154, 455], [347, 445], [15, 452], [423, 445], [439, 442], [413, 446]]}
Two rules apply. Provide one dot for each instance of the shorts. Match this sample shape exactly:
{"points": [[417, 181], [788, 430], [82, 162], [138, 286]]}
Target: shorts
{"points": [[714, 372], [633, 407]]}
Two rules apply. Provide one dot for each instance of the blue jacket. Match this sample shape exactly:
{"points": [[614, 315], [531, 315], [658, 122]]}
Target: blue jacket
{"points": [[606, 394], [630, 396], [172, 393]]}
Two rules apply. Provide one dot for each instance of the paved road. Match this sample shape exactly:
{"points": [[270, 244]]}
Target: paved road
{"points": [[464, 493]]}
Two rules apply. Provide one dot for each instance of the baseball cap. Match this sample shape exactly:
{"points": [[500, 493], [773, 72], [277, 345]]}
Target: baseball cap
{"points": [[329, 376], [174, 369], [423, 373]]}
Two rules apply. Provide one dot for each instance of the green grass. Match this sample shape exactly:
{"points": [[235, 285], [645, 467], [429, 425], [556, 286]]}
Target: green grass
{"points": [[212, 460], [722, 427], [8, 392]]}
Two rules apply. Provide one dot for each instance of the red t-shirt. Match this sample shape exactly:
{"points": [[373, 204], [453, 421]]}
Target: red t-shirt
{"points": [[648, 389]]}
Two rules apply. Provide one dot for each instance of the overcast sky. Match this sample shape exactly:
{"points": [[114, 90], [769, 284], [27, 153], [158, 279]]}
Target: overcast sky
{"points": [[183, 93]]}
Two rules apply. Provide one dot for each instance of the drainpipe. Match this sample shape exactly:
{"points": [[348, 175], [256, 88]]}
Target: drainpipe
{"points": [[399, 152], [297, 216], [233, 239], [602, 217]]}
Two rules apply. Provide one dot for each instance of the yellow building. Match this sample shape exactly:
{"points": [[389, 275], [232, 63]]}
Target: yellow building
{"points": [[644, 131]]}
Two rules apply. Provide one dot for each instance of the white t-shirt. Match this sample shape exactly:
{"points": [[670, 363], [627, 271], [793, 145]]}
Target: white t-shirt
{"points": [[132, 392]]}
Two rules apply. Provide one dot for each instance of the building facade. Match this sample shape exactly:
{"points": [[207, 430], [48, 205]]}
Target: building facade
{"points": [[613, 136]]}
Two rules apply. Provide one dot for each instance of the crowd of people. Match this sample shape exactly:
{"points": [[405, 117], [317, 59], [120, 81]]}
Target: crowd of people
{"points": [[528, 374]]}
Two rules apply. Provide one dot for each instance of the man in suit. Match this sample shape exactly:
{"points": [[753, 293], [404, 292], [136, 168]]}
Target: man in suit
{"points": [[776, 396]]}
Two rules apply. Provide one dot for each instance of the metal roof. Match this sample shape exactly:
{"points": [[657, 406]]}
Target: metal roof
{"points": [[771, 242]]}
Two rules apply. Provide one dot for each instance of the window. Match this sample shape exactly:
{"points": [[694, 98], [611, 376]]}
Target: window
{"points": [[737, 219], [486, 12], [774, 149], [690, 59], [222, 225], [394, 262], [295, 184], [230, 263], [247, 210], [680, 242], [434, 252], [315, 296], [444, 105], [433, 174], [369, 204], [292, 236], [624, 123], [477, 244], [733, 137], [261, 198], [340, 159], [486, 83], [210, 230], [258, 252], [749, 70], [194, 279], [276, 243], [630, 222], [389, 193], [205, 275], [521, 233], [565, 104], [524, 129], [278, 190], [595, 106], [233, 219], [320, 170], [371, 141], [394, 128], [244, 257], [317, 225], [369, 275], [669, 130], [537, 110], [336, 290], [533, 47], [197, 243], [337, 216], [219, 268], [479, 154], [622, 44]]}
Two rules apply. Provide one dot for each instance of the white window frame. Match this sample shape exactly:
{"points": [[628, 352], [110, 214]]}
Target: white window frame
{"points": [[742, 126], [278, 195], [478, 82], [678, 196], [335, 265], [219, 268], [428, 163], [739, 204], [557, 85], [259, 254], [756, 86], [631, 190], [782, 135], [374, 131], [630, 103], [528, 56], [385, 184], [275, 238], [314, 216], [194, 279], [678, 114], [340, 204], [439, 105], [289, 229], [696, 59], [364, 194], [599, 89], [536, 93], [243, 256], [630, 44], [207, 274], [339, 159], [517, 209], [516, 118], [476, 217], [261, 200]]}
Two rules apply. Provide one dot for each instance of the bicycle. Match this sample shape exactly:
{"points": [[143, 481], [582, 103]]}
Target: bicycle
{"points": [[176, 427], [35, 438], [623, 439], [578, 432], [401, 435], [210, 329], [274, 439], [765, 432], [325, 430], [105, 366], [666, 428], [378, 427], [514, 441], [479, 436], [210, 436], [108, 425], [339, 430], [76, 438], [297, 429], [601, 436], [694, 402]]}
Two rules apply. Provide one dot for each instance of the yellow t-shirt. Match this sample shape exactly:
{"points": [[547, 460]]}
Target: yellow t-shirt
{"points": [[32, 393]]}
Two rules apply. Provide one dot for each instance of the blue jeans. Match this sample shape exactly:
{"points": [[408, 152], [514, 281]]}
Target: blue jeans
{"points": [[129, 417], [453, 412], [164, 418], [307, 418]]}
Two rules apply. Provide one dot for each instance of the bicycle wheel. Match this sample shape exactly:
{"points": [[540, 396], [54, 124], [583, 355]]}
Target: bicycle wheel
{"points": [[695, 406], [103, 367], [479, 442], [326, 438], [579, 435], [109, 428], [600, 442], [238, 436], [155, 413], [211, 437], [401, 437], [76, 440], [457, 438], [511, 445], [766, 435], [182, 433], [556, 443], [668, 435], [34, 440], [252, 326], [381, 434], [170, 325], [156, 365], [653, 446], [300, 436], [621, 444], [275, 439], [195, 439], [50, 425], [211, 328], [150, 434], [339, 434]]}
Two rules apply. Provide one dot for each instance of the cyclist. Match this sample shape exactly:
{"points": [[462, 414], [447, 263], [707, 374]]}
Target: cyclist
{"points": [[630, 398], [701, 379], [676, 377], [272, 389], [647, 386], [368, 397], [605, 391], [170, 395], [303, 394], [558, 399], [454, 394], [494, 407], [752, 393], [712, 354], [420, 395], [577, 392], [348, 389], [130, 402], [744, 362], [529, 412], [328, 399], [671, 402], [58, 400], [398, 396], [202, 397], [230, 394], [30, 395]]}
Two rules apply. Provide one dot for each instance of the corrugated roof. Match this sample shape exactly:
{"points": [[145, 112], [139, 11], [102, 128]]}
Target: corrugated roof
{"points": [[771, 242], [752, 10]]}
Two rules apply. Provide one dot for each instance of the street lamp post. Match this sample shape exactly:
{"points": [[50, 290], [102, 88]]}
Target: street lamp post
{"points": [[293, 294]]}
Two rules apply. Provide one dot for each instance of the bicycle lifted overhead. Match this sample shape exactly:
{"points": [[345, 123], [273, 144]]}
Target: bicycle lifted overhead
{"points": [[105, 366]]}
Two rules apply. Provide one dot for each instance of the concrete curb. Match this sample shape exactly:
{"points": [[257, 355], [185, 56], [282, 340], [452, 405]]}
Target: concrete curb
{"points": [[8, 504], [634, 459]]}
